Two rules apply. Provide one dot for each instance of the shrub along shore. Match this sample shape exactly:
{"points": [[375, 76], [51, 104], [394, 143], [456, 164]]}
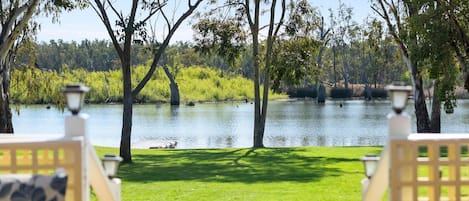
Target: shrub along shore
{"points": [[196, 84], [300, 173]]}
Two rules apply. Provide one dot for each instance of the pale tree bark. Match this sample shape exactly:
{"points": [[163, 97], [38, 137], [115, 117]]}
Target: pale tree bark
{"points": [[320, 89], [124, 51], [13, 24], [6, 124], [173, 86]]}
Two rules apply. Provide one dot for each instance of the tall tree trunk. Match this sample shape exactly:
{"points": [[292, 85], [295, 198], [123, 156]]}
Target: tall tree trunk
{"points": [[125, 151], [258, 127], [334, 63], [421, 112], [6, 124], [435, 120], [175, 100], [13, 24], [345, 74], [320, 89]]}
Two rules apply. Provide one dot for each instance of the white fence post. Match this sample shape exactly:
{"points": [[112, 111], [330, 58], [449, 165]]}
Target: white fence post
{"points": [[373, 189], [76, 125], [106, 189]]}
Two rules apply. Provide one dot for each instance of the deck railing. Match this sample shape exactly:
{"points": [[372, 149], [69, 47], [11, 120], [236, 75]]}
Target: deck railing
{"points": [[420, 167], [39, 154]]}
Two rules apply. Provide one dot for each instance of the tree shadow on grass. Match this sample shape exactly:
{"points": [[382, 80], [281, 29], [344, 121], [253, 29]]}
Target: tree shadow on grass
{"points": [[239, 165]]}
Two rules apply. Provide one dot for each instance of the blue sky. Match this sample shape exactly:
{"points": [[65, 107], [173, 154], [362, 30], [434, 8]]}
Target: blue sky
{"points": [[84, 24]]}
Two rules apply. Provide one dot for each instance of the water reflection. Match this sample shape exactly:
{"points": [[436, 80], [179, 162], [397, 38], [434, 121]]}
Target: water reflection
{"points": [[289, 123]]}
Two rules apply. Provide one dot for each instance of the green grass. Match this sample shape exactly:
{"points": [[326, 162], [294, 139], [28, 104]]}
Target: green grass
{"points": [[303, 173]]}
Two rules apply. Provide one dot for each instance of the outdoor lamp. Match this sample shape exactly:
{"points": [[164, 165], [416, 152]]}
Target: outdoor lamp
{"points": [[111, 164], [370, 162], [399, 94], [75, 94]]}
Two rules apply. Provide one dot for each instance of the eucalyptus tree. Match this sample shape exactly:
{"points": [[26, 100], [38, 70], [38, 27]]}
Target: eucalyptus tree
{"points": [[225, 34], [344, 34], [252, 13], [17, 24], [129, 29], [456, 13], [324, 38], [424, 36], [293, 61], [223, 29], [306, 23]]}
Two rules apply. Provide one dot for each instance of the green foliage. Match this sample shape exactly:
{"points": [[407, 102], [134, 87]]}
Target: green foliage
{"points": [[341, 93], [436, 44], [294, 61], [303, 92], [33, 86], [306, 173], [220, 36], [304, 21]]}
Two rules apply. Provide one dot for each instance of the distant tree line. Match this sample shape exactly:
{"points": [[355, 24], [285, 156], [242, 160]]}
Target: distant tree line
{"points": [[99, 55], [369, 62]]}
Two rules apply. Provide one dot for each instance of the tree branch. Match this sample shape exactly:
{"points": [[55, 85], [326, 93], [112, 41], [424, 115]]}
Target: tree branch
{"points": [[10, 22], [392, 30], [162, 47], [282, 16], [248, 13], [129, 28], [10, 37], [105, 19], [119, 15], [153, 12], [166, 19]]}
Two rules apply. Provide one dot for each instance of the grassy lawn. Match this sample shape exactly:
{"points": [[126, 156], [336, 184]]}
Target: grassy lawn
{"points": [[303, 173]]}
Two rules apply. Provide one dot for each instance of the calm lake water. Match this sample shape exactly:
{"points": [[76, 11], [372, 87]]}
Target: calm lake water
{"points": [[289, 123]]}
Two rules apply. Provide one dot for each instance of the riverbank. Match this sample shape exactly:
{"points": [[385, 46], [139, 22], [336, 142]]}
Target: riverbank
{"points": [[302, 173]]}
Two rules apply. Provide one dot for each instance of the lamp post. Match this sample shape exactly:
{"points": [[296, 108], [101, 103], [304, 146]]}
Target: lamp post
{"points": [[370, 162], [399, 94], [74, 95], [75, 125], [399, 121], [111, 164], [101, 175]]}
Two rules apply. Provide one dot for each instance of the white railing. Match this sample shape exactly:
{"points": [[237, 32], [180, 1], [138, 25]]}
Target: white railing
{"points": [[413, 167], [39, 154]]}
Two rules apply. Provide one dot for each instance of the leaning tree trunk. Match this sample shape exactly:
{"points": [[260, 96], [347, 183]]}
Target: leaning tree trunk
{"points": [[175, 100], [6, 124]]}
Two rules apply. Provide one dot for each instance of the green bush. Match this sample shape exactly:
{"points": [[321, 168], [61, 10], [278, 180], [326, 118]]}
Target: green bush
{"points": [[32, 86], [308, 92], [341, 93]]}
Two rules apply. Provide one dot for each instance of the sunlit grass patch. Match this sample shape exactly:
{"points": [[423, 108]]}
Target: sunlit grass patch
{"points": [[303, 173]]}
